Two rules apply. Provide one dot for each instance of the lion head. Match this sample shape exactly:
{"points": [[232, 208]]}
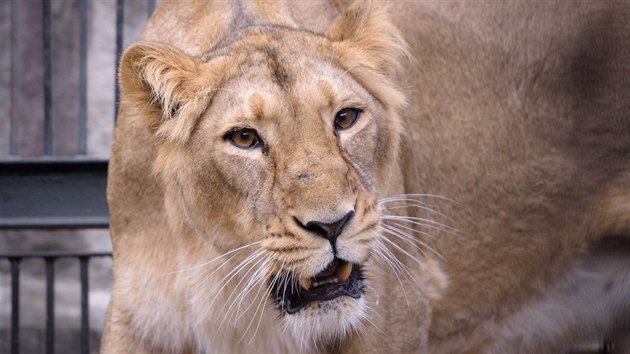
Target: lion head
{"points": [[272, 149]]}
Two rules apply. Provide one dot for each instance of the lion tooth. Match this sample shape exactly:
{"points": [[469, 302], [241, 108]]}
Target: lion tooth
{"points": [[334, 280], [343, 273], [306, 283]]}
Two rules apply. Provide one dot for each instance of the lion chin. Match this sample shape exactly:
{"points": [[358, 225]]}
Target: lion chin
{"points": [[324, 307], [325, 321]]}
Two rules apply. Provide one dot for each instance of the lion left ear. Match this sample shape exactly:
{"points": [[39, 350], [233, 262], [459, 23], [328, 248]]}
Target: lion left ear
{"points": [[365, 31], [169, 89]]}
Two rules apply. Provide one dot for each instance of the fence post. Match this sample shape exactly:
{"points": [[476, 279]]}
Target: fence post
{"points": [[85, 306], [50, 305], [15, 305]]}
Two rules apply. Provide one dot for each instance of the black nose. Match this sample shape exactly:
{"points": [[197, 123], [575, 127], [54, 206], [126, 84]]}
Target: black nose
{"points": [[329, 231]]}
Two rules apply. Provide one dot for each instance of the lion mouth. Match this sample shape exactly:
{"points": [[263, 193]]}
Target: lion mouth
{"points": [[340, 278]]}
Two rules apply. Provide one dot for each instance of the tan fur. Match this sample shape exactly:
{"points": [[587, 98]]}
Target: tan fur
{"points": [[505, 124]]}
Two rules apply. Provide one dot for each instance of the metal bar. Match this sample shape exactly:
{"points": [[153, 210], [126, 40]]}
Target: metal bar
{"points": [[85, 306], [15, 77], [55, 222], [120, 16], [83, 27], [54, 255], [53, 194], [15, 305], [151, 7], [48, 123], [50, 305], [45, 160]]}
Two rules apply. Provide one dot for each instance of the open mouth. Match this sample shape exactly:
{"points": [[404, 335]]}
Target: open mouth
{"points": [[340, 278]]}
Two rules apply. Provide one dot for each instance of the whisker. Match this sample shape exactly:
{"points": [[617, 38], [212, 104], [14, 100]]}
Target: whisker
{"points": [[285, 279], [406, 253], [410, 237], [422, 222], [257, 308], [234, 271], [410, 240], [285, 283], [415, 205], [258, 277], [213, 260], [403, 268], [424, 266], [422, 195], [398, 226], [236, 298], [391, 265], [221, 266], [367, 318], [369, 288], [400, 201], [264, 296], [414, 243]]}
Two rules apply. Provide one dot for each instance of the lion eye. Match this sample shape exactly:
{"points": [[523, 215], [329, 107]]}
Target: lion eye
{"points": [[346, 118], [243, 138]]}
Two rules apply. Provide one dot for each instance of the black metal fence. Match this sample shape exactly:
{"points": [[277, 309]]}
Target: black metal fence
{"points": [[47, 61], [52, 190], [49, 259]]}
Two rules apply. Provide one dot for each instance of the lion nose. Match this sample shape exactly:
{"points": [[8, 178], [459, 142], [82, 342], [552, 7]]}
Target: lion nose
{"points": [[329, 231]]}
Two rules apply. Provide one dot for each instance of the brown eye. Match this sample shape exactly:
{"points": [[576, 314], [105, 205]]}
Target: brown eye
{"points": [[243, 138], [346, 118]]}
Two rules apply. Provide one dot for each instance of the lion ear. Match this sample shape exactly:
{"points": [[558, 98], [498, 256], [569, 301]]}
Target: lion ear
{"points": [[365, 30], [167, 88]]}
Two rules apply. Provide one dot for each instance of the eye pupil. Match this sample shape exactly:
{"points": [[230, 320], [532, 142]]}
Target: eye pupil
{"points": [[346, 118]]}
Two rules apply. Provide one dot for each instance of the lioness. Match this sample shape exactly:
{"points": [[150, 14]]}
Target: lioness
{"points": [[318, 177]]}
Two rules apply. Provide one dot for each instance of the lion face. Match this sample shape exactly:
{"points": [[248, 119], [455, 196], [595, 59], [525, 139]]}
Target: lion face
{"points": [[276, 153], [299, 151]]}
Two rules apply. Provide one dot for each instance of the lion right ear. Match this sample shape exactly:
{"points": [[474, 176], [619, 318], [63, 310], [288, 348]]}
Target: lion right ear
{"points": [[371, 48], [167, 88], [365, 30]]}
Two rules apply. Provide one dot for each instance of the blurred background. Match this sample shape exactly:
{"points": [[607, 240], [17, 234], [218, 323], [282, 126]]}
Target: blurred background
{"points": [[57, 114]]}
